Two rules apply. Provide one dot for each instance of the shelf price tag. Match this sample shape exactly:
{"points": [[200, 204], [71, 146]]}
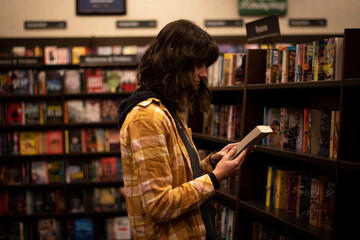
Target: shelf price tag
{"points": [[224, 23], [45, 24], [136, 24]]}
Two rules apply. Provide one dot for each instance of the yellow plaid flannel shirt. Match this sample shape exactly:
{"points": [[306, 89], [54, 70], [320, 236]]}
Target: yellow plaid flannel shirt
{"points": [[163, 200]]}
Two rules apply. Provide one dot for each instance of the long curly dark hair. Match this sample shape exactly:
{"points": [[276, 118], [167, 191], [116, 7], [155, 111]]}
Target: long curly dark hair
{"points": [[168, 65]]}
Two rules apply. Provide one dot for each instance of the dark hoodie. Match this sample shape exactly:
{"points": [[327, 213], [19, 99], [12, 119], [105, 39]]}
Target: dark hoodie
{"points": [[128, 104]]}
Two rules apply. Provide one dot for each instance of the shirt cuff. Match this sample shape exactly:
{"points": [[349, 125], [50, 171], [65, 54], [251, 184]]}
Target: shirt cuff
{"points": [[214, 180]]}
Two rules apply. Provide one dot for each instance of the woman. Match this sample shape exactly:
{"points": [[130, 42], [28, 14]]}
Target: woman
{"points": [[166, 186]]}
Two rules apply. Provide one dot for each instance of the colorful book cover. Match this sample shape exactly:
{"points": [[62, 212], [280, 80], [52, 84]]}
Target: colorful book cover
{"points": [[306, 143], [50, 55], [4, 82], [56, 171], [291, 63], [328, 207], [39, 172], [292, 193], [83, 229], [94, 80], [122, 228], [307, 73], [78, 51], [92, 111], [75, 111], [20, 82], [109, 110], [273, 120], [107, 199], [48, 228], [15, 113], [54, 112], [53, 81], [295, 129], [77, 172], [113, 79], [15, 174], [284, 127], [269, 182], [109, 168], [63, 56], [314, 212], [303, 198], [95, 140], [28, 143], [282, 176], [54, 142], [324, 140], [32, 113], [75, 140], [113, 140], [72, 81]]}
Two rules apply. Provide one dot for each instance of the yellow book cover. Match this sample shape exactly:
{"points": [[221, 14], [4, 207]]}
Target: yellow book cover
{"points": [[28, 143], [268, 185]]}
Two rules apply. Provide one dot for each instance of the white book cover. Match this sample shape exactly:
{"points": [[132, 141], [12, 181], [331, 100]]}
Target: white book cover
{"points": [[252, 138]]}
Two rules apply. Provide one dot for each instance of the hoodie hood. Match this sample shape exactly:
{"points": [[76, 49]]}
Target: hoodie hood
{"points": [[128, 104]]}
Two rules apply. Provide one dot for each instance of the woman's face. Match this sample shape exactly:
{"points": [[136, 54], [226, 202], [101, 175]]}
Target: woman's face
{"points": [[200, 72]]}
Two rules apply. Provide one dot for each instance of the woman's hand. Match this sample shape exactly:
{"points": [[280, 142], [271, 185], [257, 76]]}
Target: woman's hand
{"points": [[216, 157], [225, 167]]}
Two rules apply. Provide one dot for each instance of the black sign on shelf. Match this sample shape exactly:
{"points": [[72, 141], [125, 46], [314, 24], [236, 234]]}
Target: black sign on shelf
{"points": [[45, 24], [302, 22], [111, 60], [136, 24], [263, 28], [224, 23], [21, 61]]}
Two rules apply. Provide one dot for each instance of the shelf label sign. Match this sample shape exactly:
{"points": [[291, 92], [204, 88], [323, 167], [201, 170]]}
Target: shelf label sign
{"points": [[224, 23], [307, 22], [263, 28], [45, 25], [108, 60], [262, 7], [136, 24], [22, 61]]}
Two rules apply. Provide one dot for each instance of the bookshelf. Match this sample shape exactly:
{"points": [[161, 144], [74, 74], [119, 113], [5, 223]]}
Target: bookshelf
{"points": [[89, 192], [254, 95]]}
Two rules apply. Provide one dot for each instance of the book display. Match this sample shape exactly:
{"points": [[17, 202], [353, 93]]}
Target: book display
{"points": [[60, 170], [298, 183]]}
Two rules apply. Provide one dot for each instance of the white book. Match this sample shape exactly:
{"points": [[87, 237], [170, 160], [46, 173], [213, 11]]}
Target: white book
{"points": [[253, 138]]}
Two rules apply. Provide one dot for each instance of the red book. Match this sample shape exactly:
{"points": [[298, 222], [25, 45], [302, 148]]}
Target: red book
{"points": [[109, 168], [54, 142], [15, 113]]}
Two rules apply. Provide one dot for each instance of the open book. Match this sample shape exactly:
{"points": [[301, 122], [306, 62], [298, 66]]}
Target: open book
{"points": [[253, 138]]}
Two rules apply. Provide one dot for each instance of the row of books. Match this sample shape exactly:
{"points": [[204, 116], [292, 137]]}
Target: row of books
{"points": [[117, 228], [55, 55], [308, 196], [226, 71], [224, 222], [313, 61], [223, 121], [54, 171], [26, 113], [85, 200], [95, 170], [80, 111], [73, 111], [89, 80], [31, 143], [89, 140], [306, 130], [32, 202]]}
